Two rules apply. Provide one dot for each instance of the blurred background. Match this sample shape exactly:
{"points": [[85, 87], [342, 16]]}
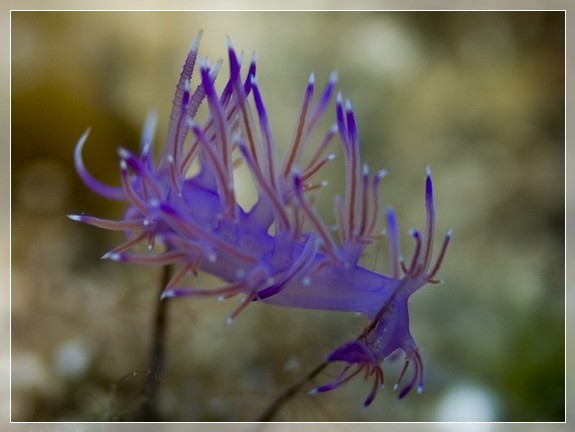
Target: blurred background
{"points": [[478, 96]]}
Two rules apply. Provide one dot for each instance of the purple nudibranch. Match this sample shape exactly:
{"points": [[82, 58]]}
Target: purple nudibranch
{"points": [[279, 251]]}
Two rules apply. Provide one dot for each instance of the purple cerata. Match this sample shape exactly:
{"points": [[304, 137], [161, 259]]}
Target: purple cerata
{"points": [[279, 251]]}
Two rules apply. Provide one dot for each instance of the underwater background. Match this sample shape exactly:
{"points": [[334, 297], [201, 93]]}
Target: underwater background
{"points": [[478, 96]]}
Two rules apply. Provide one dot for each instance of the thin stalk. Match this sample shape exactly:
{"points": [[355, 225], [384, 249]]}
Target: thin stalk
{"points": [[273, 409], [149, 411]]}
